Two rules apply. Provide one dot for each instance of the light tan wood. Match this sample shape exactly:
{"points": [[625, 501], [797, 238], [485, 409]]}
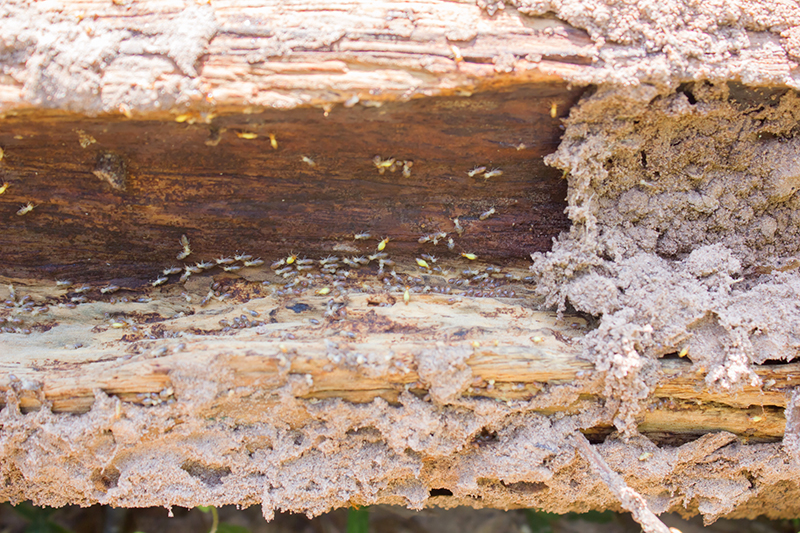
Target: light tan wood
{"points": [[512, 352], [235, 54]]}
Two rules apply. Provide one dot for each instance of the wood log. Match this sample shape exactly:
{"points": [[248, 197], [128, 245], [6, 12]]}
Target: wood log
{"points": [[271, 137]]}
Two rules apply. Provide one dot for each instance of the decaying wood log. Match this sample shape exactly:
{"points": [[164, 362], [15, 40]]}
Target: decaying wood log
{"points": [[279, 254]]}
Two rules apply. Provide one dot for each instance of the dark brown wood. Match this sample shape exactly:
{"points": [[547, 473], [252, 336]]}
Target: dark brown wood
{"points": [[113, 196]]}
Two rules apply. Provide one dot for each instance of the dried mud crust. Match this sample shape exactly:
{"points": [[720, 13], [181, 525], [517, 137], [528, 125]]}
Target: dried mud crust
{"points": [[685, 235], [486, 454]]}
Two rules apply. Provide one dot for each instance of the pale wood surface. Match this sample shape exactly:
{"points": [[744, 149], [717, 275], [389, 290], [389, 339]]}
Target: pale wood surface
{"points": [[513, 352], [231, 53]]}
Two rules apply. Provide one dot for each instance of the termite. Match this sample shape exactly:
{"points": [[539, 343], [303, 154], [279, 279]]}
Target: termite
{"points": [[361, 236], [3, 187], [308, 161], [186, 249], [407, 168], [457, 226], [25, 209], [422, 263], [457, 57], [160, 281], [469, 256], [495, 172], [382, 244], [487, 214], [475, 171], [273, 141], [553, 109]]}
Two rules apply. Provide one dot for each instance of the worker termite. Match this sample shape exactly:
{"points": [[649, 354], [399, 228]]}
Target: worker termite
{"points": [[308, 161], [487, 214], [108, 289], [407, 168], [3, 187], [361, 236], [283, 271], [469, 256], [186, 249], [232, 268], [25, 209], [330, 259], [160, 281], [83, 288], [301, 268], [204, 265], [185, 275], [379, 255], [242, 257], [305, 261], [457, 226], [495, 172], [273, 141], [254, 262], [171, 270], [430, 258], [223, 260], [450, 243], [475, 171], [382, 244], [63, 283], [383, 164]]}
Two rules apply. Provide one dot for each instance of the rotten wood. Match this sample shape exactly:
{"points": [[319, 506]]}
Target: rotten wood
{"points": [[113, 196], [513, 353]]}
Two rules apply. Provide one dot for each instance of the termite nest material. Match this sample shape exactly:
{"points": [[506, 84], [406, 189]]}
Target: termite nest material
{"points": [[110, 168]]}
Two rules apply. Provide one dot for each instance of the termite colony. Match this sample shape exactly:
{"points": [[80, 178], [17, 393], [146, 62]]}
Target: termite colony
{"points": [[332, 278], [16, 307]]}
